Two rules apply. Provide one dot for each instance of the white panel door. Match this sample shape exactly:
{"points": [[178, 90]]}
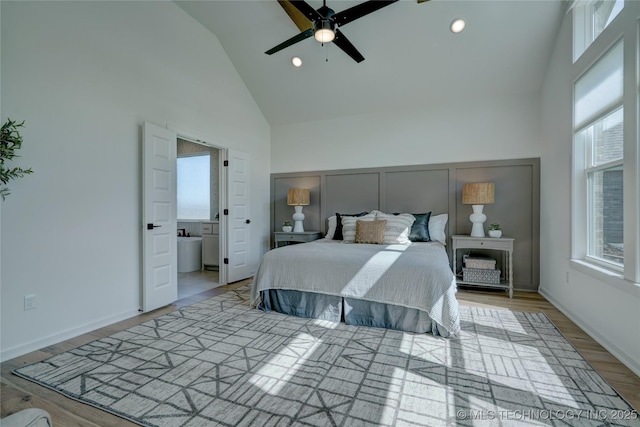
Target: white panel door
{"points": [[160, 246], [239, 223]]}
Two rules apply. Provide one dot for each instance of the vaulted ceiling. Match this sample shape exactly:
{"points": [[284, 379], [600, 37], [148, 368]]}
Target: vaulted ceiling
{"points": [[412, 59]]}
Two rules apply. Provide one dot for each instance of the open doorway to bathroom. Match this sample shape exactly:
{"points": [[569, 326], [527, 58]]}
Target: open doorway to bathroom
{"points": [[198, 202]]}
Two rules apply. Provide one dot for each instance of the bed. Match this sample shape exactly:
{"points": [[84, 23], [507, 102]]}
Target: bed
{"points": [[382, 280]]}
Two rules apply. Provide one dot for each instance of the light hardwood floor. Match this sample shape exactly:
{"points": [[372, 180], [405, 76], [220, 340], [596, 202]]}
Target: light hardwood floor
{"points": [[17, 394]]}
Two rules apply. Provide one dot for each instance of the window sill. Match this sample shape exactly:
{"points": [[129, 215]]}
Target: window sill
{"points": [[609, 277]]}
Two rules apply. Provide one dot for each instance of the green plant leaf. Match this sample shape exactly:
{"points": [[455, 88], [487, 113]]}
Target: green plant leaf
{"points": [[10, 141]]}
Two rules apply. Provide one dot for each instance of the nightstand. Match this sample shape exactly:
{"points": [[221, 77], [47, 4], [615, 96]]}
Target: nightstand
{"points": [[504, 244], [303, 237]]}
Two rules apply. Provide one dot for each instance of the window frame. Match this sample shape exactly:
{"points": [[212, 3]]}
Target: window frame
{"points": [[624, 27], [591, 168], [582, 221], [583, 19], [590, 193]]}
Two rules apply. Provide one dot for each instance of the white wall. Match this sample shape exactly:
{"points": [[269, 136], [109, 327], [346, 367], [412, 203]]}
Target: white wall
{"points": [[463, 130], [84, 76], [607, 309]]}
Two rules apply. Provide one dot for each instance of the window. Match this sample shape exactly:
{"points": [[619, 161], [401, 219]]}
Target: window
{"points": [[604, 174], [599, 148], [590, 18], [193, 186]]}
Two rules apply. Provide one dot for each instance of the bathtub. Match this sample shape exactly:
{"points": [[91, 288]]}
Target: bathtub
{"points": [[189, 254]]}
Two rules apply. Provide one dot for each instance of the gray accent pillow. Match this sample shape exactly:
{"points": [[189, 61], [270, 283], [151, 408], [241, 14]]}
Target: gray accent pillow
{"points": [[420, 228]]}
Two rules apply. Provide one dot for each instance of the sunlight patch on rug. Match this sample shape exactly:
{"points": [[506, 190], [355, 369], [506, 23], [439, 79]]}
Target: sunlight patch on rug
{"points": [[275, 374], [220, 363]]}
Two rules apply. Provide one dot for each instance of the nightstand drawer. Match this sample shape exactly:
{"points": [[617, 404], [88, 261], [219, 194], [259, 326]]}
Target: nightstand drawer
{"points": [[290, 237], [497, 244]]}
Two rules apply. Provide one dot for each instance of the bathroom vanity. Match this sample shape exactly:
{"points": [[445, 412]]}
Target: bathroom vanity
{"points": [[210, 245]]}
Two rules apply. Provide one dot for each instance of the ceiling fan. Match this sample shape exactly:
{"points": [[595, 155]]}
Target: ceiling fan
{"points": [[324, 24]]}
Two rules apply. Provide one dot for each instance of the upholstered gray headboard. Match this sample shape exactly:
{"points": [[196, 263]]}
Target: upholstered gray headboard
{"points": [[423, 188]]}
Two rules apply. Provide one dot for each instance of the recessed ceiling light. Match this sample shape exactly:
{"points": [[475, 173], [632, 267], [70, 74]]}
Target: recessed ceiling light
{"points": [[296, 61], [457, 25]]}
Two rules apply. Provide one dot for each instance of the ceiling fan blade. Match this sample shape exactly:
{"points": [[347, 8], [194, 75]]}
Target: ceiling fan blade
{"points": [[306, 10], [422, 1], [293, 40], [343, 43], [296, 16], [360, 10]]}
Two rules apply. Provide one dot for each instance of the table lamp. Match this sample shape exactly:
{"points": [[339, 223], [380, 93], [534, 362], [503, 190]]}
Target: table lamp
{"points": [[478, 194], [298, 197]]}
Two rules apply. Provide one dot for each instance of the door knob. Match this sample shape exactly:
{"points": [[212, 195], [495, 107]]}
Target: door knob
{"points": [[151, 226], [248, 221]]}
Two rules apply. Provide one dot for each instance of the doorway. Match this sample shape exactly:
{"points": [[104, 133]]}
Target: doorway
{"points": [[198, 211]]}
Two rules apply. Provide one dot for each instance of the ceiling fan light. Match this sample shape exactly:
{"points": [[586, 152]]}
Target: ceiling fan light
{"points": [[296, 61], [324, 36], [325, 33]]}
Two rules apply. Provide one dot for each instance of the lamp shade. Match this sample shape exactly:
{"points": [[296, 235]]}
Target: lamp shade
{"points": [[478, 193], [298, 197]]}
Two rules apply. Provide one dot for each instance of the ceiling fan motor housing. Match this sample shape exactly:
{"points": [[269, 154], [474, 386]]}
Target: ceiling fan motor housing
{"points": [[324, 24], [325, 28], [326, 12]]}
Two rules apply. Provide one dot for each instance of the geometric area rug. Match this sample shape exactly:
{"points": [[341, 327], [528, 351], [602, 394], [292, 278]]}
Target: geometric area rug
{"points": [[220, 363]]}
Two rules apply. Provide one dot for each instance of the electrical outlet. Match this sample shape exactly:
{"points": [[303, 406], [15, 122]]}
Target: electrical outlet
{"points": [[29, 302]]}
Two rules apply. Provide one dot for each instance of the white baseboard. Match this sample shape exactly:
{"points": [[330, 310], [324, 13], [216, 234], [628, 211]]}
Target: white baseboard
{"points": [[628, 360], [22, 349]]}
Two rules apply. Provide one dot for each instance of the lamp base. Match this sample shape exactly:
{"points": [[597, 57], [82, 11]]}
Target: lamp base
{"points": [[298, 217], [478, 219]]}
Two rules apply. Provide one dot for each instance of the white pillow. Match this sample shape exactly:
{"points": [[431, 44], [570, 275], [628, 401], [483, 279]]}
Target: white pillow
{"points": [[398, 227], [436, 228], [332, 227], [349, 226]]}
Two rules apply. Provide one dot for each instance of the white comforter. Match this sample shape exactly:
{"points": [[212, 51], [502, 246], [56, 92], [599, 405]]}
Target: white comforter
{"points": [[416, 276]]}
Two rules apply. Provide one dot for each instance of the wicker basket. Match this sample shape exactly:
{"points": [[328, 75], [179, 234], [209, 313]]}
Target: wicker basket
{"points": [[480, 263], [481, 275]]}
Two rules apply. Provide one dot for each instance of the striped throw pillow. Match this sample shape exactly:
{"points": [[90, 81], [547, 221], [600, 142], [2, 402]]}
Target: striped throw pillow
{"points": [[398, 227], [349, 226]]}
